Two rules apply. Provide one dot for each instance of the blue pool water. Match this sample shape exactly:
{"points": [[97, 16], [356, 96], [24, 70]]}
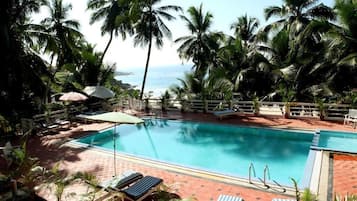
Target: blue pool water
{"points": [[224, 149], [338, 141]]}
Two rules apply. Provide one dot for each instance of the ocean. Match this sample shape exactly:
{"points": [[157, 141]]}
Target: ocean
{"points": [[158, 80]]}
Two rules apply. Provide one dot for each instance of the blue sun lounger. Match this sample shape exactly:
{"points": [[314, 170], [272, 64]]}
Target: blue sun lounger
{"points": [[224, 113], [229, 198], [132, 186], [118, 183], [142, 188]]}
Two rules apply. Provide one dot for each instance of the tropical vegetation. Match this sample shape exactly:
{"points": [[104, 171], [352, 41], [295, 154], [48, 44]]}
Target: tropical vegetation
{"points": [[305, 55]]}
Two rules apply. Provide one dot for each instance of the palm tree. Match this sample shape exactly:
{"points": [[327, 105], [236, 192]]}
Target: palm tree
{"points": [[202, 45], [116, 16], [65, 31], [245, 27], [296, 14], [151, 26], [297, 49], [22, 69], [243, 67], [341, 47]]}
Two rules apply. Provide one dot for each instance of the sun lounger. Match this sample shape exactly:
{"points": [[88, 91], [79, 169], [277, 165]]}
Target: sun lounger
{"points": [[141, 189], [120, 182], [224, 113], [229, 198], [132, 185]]}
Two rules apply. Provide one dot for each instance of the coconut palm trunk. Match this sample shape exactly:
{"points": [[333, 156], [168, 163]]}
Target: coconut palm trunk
{"points": [[150, 26], [146, 70], [107, 47], [148, 55]]}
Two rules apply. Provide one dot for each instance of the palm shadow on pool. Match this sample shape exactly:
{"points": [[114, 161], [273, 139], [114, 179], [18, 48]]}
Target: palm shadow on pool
{"points": [[247, 142]]}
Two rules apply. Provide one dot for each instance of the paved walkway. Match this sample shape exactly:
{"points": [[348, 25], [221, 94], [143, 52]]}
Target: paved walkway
{"points": [[344, 174], [50, 151]]}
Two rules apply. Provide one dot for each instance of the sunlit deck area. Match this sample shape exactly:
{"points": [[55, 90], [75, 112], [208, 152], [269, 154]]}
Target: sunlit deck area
{"points": [[52, 149]]}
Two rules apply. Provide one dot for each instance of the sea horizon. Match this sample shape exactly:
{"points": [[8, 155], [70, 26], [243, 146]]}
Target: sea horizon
{"points": [[159, 78]]}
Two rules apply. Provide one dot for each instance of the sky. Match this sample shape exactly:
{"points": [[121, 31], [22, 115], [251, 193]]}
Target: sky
{"points": [[126, 56]]}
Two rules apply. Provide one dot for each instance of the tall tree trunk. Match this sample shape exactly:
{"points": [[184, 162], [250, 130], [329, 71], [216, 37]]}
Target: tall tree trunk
{"points": [[146, 69], [107, 47], [149, 53]]}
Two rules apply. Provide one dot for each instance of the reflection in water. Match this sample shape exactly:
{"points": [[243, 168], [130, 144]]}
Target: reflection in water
{"points": [[247, 142]]}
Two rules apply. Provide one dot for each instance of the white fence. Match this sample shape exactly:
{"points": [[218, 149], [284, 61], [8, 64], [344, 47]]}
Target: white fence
{"points": [[297, 109]]}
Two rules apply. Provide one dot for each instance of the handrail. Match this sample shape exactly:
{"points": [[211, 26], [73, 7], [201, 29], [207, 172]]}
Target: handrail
{"points": [[251, 167], [298, 109], [266, 170], [284, 189]]}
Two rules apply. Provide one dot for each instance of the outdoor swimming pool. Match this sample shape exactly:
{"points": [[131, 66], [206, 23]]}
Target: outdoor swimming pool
{"points": [[338, 141], [224, 149]]}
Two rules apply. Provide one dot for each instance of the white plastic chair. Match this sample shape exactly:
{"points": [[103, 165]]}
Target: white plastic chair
{"points": [[351, 117]]}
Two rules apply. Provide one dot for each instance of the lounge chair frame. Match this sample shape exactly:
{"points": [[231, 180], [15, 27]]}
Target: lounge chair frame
{"points": [[132, 187]]}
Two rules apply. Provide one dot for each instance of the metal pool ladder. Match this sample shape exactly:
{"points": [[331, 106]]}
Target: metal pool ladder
{"points": [[265, 176], [266, 171], [251, 168]]}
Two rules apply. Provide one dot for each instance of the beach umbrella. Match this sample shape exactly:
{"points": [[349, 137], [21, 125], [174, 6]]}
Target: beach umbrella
{"points": [[99, 92], [73, 96], [117, 118]]}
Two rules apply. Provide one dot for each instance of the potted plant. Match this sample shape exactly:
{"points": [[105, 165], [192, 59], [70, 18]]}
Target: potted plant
{"points": [[287, 110], [164, 101], [322, 108], [256, 105], [288, 96], [146, 100]]}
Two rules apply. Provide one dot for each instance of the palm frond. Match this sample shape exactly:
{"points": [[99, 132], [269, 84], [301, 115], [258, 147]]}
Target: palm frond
{"points": [[321, 11], [272, 11]]}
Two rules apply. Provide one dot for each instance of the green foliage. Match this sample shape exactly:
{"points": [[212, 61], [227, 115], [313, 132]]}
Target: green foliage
{"points": [[322, 107], [256, 105], [23, 175], [5, 127], [306, 195], [347, 197], [164, 100], [150, 27], [54, 176], [202, 45]]}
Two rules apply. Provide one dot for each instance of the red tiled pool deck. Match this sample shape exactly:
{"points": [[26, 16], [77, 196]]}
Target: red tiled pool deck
{"points": [[49, 150], [344, 174]]}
